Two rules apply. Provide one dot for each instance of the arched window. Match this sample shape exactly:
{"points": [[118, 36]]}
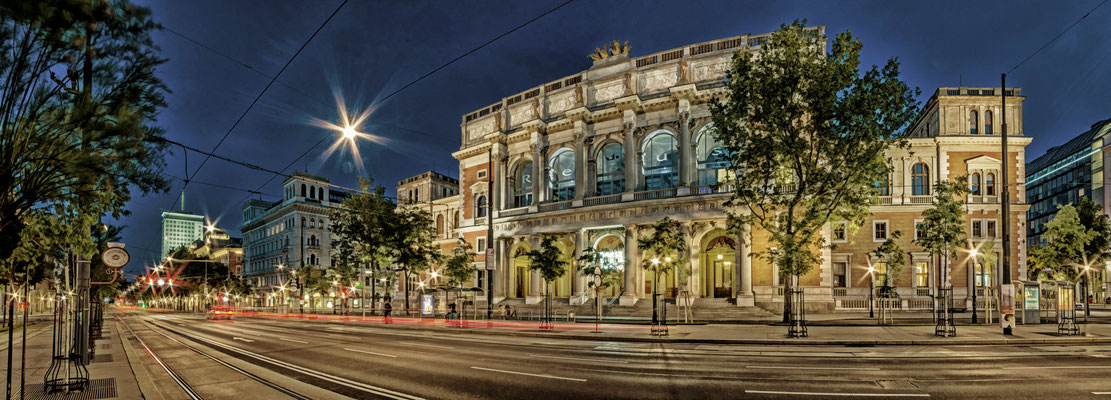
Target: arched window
{"points": [[920, 180], [440, 224], [480, 206], [988, 116], [973, 122], [611, 169], [989, 184], [303, 222], [410, 195], [974, 183], [522, 185], [456, 221], [320, 194], [661, 158], [312, 259], [312, 240], [562, 175], [303, 190], [713, 159]]}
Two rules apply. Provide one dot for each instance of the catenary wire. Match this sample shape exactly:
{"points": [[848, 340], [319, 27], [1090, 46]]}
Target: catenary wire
{"points": [[1082, 17]]}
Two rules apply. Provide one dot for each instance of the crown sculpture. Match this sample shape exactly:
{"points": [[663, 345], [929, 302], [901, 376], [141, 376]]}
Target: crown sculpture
{"points": [[610, 50]]}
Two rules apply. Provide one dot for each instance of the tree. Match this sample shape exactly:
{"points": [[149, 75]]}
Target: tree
{"points": [[605, 272], [364, 229], [806, 134], [459, 267], [895, 259], [77, 112], [413, 236], [942, 232], [1068, 243], [664, 252], [547, 261]]}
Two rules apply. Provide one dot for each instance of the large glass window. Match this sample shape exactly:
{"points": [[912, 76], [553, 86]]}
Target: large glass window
{"points": [[562, 175], [661, 161], [611, 169], [713, 159], [920, 180], [987, 122], [921, 274], [973, 121], [480, 206], [522, 185], [883, 186]]}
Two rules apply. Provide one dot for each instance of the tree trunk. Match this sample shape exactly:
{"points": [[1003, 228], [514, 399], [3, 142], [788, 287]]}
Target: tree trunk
{"points": [[406, 292], [786, 299]]}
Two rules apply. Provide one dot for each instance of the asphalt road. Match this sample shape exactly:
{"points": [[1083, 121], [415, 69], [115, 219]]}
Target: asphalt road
{"points": [[380, 362]]}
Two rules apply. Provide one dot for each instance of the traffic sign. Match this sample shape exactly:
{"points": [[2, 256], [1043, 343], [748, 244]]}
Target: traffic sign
{"points": [[115, 257]]}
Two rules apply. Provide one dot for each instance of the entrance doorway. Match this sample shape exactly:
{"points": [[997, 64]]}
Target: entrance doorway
{"points": [[718, 260]]}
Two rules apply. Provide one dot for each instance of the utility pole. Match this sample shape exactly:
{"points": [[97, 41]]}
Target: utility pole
{"points": [[490, 235], [1004, 198]]}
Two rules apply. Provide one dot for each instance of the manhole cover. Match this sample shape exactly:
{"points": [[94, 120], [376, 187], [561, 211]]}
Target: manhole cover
{"points": [[900, 384]]}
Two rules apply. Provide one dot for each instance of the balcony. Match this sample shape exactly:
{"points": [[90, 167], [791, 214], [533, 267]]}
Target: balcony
{"points": [[512, 212], [559, 205], [655, 194], [921, 200], [600, 200]]}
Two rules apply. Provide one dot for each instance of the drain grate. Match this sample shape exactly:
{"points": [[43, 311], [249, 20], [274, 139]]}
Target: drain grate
{"points": [[98, 389], [900, 384]]}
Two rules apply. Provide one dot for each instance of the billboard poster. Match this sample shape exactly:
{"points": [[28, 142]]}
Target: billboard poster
{"points": [[1031, 297], [426, 304]]}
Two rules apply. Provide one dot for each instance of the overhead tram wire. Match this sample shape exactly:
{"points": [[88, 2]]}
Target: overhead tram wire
{"points": [[1082, 17], [259, 97]]}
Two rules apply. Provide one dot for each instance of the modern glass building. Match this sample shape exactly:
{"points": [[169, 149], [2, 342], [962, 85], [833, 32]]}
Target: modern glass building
{"points": [[1064, 174]]}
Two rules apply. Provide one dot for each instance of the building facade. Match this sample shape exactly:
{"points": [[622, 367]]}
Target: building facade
{"points": [[1066, 173], [220, 246], [180, 229], [595, 157], [280, 236]]}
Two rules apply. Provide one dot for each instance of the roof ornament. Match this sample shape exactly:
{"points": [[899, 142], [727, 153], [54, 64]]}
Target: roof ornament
{"points": [[613, 49]]}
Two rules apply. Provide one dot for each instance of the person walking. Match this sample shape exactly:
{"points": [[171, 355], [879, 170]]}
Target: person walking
{"points": [[389, 309]]}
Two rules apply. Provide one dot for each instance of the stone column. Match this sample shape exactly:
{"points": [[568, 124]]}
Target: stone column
{"points": [[580, 163], [576, 279], [538, 177], [632, 266], [685, 153], [501, 274], [630, 151], [746, 298], [535, 284]]}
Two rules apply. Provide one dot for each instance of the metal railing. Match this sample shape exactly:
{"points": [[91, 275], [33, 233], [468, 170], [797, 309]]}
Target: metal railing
{"points": [[600, 200], [840, 292]]}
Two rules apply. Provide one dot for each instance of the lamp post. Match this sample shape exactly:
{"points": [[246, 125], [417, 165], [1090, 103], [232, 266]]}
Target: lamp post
{"points": [[975, 282], [1087, 292], [871, 290]]}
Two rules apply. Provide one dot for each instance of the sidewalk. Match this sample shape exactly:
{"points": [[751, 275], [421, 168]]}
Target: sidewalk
{"points": [[859, 333], [110, 373]]}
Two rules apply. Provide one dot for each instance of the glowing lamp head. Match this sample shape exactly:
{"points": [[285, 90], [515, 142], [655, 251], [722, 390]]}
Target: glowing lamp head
{"points": [[655, 261], [161, 282], [871, 269], [974, 252], [210, 228], [349, 132], [225, 298], [434, 274], [719, 256], [668, 259]]}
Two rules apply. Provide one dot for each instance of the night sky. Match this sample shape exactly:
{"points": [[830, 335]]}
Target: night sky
{"points": [[372, 48]]}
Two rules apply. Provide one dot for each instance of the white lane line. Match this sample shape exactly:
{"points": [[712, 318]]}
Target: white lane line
{"points": [[245, 340], [1101, 393], [528, 374], [839, 394], [371, 352], [291, 340], [823, 368], [427, 345], [1065, 367], [580, 358]]}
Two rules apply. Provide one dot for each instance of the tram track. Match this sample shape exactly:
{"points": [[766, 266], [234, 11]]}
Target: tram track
{"points": [[182, 382]]}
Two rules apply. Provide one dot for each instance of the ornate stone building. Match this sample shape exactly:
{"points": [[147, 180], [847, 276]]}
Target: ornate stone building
{"points": [[594, 157]]}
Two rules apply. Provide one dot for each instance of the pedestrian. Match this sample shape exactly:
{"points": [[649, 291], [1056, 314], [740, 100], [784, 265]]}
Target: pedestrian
{"points": [[509, 312], [389, 309], [451, 311]]}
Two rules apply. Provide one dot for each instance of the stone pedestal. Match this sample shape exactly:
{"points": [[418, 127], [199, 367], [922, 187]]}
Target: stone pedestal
{"points": [[746, 300], [627, 300]]}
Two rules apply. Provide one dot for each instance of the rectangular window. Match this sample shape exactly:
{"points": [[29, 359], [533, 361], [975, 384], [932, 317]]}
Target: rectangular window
{"points": [[480, 244], [921, 274], [919, 228], [840, 278], [991, 228], [880, 272], [976, 225], [481, 173], [840, 231], [879, 231]]}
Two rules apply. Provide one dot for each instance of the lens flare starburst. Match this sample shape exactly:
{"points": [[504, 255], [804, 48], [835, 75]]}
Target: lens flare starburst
{"points": [[348, 128]]}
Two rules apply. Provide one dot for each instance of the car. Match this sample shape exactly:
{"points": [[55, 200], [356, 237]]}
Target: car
{"points": [[220, 313]]}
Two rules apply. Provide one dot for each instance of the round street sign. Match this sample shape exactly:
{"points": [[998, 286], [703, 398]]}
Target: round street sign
{"points": [[115, 257]]}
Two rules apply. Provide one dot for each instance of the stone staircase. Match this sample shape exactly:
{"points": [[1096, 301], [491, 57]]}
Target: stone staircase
{"points": [[703, 310]]}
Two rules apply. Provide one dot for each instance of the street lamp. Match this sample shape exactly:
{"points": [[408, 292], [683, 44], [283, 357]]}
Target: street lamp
{"points": [[871, 290]]}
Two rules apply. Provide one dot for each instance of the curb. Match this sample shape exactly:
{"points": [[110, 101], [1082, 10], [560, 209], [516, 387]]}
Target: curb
{"points": [[783, 341]]}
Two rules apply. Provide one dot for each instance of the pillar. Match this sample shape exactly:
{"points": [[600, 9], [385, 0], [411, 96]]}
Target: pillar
{"points": [[580, 162], [746, 297], [685, 153], [577, 286], [630, 151], [538, 177], [501, 274], [535, 284], [632, 266]]}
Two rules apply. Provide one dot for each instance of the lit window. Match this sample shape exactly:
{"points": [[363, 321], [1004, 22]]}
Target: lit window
{"points": [[522, 185], [661, 157], [921, 274], [562, 179], [713, 159], [611, 169]]}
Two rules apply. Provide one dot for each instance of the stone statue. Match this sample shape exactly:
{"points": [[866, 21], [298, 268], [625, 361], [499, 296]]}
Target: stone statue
{"points": [[610, 50]]}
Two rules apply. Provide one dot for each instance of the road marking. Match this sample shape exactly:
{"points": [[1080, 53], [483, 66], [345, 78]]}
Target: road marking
{"points": [[528, 374], [1101, 393], [239, 338], [291, 340], [580, 358], [371, 352], [1064, 367], [427, 345], [840, 394], [830, 368]]}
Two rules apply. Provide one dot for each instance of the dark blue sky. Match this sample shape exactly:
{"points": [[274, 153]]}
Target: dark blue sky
{"points": [[374, 47]]}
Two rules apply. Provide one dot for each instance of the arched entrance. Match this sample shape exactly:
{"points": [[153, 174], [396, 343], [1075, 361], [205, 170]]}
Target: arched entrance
{"points": [[519, 276], [718, 258], [611, 250], [561, 287]]}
